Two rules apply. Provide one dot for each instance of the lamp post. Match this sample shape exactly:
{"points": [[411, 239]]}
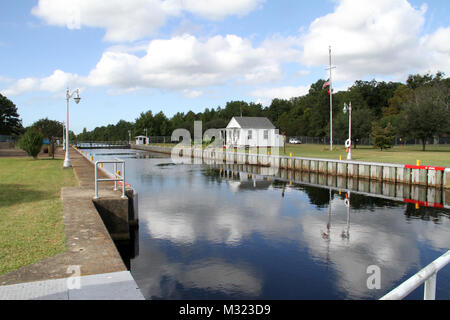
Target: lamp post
{"points": [[64, 137], [76, 97], [348, 143]]}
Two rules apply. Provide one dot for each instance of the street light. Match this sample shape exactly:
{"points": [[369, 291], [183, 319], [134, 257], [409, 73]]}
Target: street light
{"points": [[348, 143], [76, 97], [64, 136]]}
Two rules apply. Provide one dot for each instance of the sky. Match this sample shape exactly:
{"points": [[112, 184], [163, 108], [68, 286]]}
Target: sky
{"points": [[128, 57]]}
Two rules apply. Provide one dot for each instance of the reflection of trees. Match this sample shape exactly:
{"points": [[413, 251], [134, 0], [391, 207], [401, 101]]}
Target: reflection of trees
{"points": [[317, 196], [425, 213], [212, 172], [370, 203]]}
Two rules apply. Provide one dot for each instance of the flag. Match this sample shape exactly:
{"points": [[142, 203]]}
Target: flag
{"points": [[326, 84]]}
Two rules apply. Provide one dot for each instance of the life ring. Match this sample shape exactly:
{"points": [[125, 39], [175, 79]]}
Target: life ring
{"points": [[348, 143]]}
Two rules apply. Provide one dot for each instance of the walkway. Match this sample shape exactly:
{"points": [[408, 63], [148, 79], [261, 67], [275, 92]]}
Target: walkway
{"points": [[89, 246]]}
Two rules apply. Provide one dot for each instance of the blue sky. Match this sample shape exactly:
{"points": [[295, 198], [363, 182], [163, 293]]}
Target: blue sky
{"points": [[178, 55]]}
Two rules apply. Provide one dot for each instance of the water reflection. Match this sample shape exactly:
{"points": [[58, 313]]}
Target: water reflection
{"points": [[208, 232]]}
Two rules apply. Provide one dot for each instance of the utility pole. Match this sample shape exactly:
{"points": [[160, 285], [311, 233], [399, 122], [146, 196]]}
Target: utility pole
{"points": [[331, 101]]}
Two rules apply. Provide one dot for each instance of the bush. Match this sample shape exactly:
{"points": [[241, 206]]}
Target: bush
{"points": [[382, 138], [31, 142]]}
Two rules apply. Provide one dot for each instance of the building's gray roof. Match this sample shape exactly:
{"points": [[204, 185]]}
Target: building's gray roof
{"points": [[254, 123]]}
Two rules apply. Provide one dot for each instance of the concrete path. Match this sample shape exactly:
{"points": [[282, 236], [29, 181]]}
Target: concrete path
{"points": [[89, 248], [107, 286]]}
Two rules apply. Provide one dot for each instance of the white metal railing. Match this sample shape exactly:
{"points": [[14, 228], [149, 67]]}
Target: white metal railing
{"points": [[427, 275], [118, 176]]}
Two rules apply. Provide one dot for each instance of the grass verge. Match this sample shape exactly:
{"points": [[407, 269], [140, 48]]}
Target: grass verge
{"points": [[31, 226]]}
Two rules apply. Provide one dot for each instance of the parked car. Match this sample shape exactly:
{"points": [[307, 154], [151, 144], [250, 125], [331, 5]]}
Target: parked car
{"points": [[294, 141]]}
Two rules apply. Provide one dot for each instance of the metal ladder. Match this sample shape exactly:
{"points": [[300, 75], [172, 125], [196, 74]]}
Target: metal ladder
{"points": [[117, 176]]}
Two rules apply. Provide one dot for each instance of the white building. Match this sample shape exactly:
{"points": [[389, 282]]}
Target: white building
{"points": [[142, 140], [251, 132]]}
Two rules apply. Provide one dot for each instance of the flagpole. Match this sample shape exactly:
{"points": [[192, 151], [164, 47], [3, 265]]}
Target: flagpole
{"points": [[331, 105]]}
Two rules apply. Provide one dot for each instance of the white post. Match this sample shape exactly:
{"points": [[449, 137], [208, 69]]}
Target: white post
{"points": [[67, 162], [123, 181], [96, 182], [331, 105], [430, 288], [115, 176], [64, 137], [349, 155]]}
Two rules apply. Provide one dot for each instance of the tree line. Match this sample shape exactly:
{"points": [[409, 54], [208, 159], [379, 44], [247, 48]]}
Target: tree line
{"points": [[381, 111], [418, 108]]}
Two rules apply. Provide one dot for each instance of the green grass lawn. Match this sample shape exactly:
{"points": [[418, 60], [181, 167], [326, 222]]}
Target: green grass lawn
{"points": [[31, 226], [435, 155]]}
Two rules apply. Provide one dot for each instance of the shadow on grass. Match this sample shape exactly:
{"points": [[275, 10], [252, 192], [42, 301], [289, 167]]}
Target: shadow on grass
{"points": [[12, 194]]}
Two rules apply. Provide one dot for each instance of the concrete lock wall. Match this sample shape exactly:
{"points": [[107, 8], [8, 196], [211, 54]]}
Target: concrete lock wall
{"points": [[435, 179], [342, 169], [364, 171], [332, 168], [305, 165], [323, 167], [446, 179], [376, 173], [391, 173], [352, 170], [419, 177], [313, 166]]}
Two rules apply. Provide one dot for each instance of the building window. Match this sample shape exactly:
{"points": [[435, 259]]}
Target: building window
{"points": [[250, 132], [266, 134]]}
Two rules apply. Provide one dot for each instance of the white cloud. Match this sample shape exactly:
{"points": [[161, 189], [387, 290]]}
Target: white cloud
{"points": [[437, 48], [368, 38], [185, 62], [58, 81], [20, 86], [191, 93], [267, 95], [133, 19], [182, 63], [5, 79], [219, 9]]}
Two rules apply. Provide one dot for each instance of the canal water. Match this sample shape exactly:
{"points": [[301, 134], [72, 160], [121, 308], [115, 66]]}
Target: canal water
{"points": [[207, 233]]}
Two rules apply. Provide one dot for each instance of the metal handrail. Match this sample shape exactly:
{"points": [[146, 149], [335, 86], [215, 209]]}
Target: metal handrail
{"points": [[427, 275], [116, 178]]}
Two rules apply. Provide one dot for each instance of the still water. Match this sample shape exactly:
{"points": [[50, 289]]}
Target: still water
{"points": [[205, 233]]}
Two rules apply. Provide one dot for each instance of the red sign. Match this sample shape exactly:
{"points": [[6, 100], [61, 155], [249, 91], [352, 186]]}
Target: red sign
{"points": [[424, 204], [409, 166]]}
